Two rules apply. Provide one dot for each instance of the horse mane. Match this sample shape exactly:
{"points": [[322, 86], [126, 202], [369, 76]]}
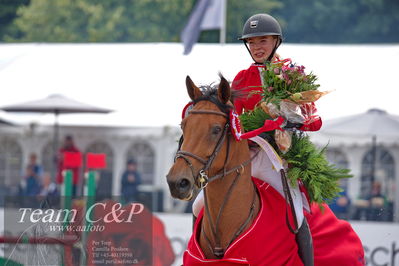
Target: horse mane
{"points": [[210, 93]]}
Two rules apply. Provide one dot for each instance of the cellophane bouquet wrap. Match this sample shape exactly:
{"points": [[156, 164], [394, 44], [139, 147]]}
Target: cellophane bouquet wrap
{"points": [[289, 92]]}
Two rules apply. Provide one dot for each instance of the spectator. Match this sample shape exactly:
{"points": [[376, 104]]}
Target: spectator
{"points": [[340, 205], [69, 147], [48, 188], [37, 169], [361, 209], [29, 185], [130, 180], [49, 195], [377, 203]]}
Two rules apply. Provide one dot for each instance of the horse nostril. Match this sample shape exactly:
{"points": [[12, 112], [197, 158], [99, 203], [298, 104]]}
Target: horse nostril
{"points": [[183, 183]]}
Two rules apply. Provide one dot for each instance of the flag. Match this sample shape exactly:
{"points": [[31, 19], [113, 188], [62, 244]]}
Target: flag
{"points": [[72, 159], [96, 160], [206, 15]]}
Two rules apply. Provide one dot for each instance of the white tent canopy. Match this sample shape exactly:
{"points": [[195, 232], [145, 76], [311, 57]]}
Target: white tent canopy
{"points": [[144, 83], [375, 122], [360, 129]]}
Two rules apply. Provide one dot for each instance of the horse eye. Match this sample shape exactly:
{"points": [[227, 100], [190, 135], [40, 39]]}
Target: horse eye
{"points": [[216, 130]]}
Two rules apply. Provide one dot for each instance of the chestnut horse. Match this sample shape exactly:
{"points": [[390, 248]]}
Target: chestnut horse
{"points": [[209, 158]]}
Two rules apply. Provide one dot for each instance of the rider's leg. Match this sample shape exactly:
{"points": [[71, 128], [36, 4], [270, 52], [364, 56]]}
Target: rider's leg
{"points": [[198, 204]]}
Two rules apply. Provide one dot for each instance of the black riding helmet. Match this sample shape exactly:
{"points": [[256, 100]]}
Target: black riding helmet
{"points": [[262, 25]]}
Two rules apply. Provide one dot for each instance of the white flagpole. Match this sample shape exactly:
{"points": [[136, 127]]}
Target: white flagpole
{"points": [[222, 33]]}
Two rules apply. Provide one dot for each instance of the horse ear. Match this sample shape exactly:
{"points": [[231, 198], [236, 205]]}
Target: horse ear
{"points": [[224, 90], [193, 91]]}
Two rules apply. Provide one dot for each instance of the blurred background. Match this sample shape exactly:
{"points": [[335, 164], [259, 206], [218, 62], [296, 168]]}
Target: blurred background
{"points": [[127, 56]]}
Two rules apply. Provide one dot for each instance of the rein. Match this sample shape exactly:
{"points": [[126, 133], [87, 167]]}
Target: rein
{"points": [[201, 180]]}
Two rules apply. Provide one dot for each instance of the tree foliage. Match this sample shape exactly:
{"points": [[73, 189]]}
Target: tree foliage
{"points": [[307, 21], [120, 21], [340, 21], [101, 21], [8, 12]]}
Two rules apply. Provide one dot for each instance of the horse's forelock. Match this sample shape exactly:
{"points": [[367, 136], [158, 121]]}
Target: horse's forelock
{"points": [[210, 93]]}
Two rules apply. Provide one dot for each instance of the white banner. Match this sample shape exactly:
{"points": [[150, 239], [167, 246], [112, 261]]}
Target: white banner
{"points": [[380, 240]]}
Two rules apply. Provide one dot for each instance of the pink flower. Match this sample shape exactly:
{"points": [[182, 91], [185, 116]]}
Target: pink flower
{"points": [[301, 69], [285, 76], [270, 89]]}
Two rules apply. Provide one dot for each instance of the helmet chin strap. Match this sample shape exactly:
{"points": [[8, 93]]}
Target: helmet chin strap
{"points": [[249, 51], [271, 54], [269, 59]]}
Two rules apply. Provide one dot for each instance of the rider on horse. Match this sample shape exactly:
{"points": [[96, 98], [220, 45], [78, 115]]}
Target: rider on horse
{"points": [[334, 240], [262, 36]]}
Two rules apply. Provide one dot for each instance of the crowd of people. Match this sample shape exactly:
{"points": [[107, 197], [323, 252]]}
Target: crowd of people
{"points": [[373, 207], [36, 185], [35, 182], [39, 183]]}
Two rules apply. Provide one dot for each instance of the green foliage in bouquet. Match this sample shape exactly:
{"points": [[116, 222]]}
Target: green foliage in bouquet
{"points": [[254, 119], [305, 161], [309, 164]]}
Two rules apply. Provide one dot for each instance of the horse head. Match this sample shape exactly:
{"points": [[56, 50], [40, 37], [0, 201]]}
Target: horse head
{"points": [[203, 148]]}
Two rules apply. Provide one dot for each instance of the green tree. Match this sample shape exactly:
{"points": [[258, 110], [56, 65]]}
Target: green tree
{"points": [[8, 12], [307, 21], [122, 20], [238, 12], [99, 21], [340, 21]]}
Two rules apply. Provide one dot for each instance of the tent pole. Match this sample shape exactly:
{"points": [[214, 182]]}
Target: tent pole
{"points": [[55, 162], [373, 162]]}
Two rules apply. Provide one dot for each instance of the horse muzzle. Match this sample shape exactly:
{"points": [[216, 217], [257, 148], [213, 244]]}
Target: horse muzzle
{"points": [[181, 188]]}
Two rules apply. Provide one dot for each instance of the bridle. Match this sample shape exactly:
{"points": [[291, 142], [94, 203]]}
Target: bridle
{"points": [[201, 180]]}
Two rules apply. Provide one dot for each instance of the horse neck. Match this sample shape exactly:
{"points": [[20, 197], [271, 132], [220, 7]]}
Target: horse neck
{"points": [[236, 209]]}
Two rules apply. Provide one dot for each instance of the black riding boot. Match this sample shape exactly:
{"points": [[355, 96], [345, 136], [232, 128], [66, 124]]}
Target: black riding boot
{"points": [[305, 244]]}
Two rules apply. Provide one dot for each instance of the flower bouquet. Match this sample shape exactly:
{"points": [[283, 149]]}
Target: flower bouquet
{"points": [[289, 82], [290, 93]]}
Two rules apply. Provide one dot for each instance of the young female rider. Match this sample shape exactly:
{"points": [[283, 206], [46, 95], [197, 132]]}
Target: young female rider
{"points": [[334, 241]]}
